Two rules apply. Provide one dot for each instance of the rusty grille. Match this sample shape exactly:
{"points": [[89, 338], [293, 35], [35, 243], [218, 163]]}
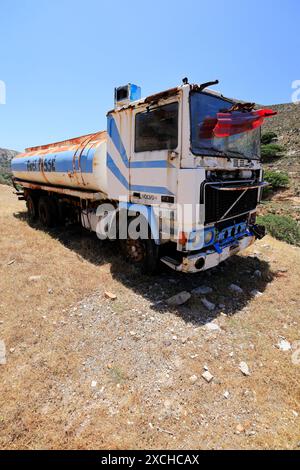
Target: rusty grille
{"points": [[218, 202]]}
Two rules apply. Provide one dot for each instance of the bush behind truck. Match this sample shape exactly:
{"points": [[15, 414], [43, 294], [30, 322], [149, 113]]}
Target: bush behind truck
{"points": [[5, 168]]}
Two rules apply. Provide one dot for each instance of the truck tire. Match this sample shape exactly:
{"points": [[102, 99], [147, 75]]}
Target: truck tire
{"points": [[32, 209], [47, 211], [143, 253], [151, 261]]}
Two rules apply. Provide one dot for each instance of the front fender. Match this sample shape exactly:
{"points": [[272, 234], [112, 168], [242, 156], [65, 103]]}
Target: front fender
{"points": [[148, 213]]}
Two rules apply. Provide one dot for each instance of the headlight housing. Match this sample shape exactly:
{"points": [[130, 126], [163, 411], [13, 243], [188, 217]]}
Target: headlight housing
{"points": [[209, 236]]}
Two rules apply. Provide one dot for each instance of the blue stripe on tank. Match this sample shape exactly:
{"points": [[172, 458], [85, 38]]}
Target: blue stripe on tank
{"points": [[57, 163]]}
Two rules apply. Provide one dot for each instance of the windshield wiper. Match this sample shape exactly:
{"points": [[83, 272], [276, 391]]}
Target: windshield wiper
{"points": [[236, 152], [230, 153], [212, 149], [227, 153]]}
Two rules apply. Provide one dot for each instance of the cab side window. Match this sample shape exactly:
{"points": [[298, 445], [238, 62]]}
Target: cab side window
{"points": [[157, 129]]}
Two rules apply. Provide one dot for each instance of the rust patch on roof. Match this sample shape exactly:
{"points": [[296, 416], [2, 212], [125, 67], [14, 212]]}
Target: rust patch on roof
{"points": [[162, 95]]}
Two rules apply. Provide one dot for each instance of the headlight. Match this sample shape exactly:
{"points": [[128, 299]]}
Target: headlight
{"points": [[209, 236], [245, 174]]}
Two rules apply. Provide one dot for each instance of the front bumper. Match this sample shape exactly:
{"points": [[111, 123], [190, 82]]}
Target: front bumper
{"points": [[195, 263]]}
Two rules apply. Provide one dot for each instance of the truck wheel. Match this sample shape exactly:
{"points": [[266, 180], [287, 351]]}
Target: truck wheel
{"points": [[31, 204], [47, 211], [144, 253], [151, 262]]}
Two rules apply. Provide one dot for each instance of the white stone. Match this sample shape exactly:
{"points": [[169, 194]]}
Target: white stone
{"points": [[284, 345], [256, 293], [94, 384], [236, 289], [207, 376], [226, 394], [202, 290], [244, 368], [2, 353], [207, 304], [212, 327], [34, 278], [179, 299], [193, 379]]}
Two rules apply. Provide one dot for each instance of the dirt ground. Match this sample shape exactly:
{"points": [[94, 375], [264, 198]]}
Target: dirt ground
{"points": [[83, 371]]}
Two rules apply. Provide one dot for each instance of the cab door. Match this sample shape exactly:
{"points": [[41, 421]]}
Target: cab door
{"points": [[155, 152]]}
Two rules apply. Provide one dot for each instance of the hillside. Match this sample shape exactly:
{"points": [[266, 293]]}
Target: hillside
{"points": [[5, 159], [285, 202], [287, 126]]}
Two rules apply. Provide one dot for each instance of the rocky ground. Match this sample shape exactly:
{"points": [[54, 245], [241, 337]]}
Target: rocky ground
{"points": [[92, 354]]}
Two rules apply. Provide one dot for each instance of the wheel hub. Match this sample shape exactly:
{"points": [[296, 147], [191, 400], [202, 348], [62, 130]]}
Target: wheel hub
{"points": [[135, 250]]}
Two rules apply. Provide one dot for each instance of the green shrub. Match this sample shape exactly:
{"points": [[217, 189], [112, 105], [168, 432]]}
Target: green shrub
{"points": [[269, 151], [281, 227], [268, 137], [277, 179], [5, 178]]}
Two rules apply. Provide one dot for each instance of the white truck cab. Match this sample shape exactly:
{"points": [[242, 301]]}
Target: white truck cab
{"points": [[202, 190]]}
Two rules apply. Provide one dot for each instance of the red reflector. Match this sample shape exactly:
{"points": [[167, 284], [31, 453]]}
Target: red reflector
{"points": [[182, 240], [232, 123], [237, 122]]}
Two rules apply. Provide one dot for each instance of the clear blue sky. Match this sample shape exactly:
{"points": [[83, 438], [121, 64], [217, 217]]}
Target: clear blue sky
{"points": [[61, 59]]}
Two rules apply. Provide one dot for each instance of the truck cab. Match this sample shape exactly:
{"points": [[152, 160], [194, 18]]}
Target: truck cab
{"points": [[201, 187]]}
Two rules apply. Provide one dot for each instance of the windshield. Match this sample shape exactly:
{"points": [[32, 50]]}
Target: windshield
{"points": [[204, 109]]}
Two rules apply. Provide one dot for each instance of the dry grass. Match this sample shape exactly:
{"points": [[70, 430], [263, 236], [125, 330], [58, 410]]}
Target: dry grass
{"points": [[61, 334]]}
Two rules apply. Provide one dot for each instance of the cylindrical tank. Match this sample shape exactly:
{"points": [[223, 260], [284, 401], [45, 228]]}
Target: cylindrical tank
{"points": [[75, 163]]}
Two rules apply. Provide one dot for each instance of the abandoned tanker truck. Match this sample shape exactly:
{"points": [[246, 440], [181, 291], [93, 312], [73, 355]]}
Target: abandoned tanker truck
{"points": [[176, 178]]}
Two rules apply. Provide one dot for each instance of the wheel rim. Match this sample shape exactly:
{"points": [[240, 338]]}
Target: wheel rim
{"points": [[135, 250]]}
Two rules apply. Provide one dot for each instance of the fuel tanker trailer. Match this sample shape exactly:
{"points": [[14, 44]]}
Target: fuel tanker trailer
{"points": [[175, 178], [75, 163]]}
